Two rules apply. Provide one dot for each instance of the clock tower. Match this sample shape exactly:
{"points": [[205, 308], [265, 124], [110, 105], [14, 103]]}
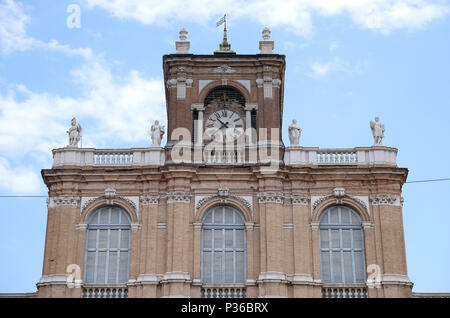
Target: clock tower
{"points": [[224, 104]]}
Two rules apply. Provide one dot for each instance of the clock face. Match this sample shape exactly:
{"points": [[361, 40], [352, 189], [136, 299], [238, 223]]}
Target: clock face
{"points": [[226, 123]]}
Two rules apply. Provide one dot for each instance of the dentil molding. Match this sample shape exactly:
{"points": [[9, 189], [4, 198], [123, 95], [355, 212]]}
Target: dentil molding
{"points": [[179, 197], [271, 197]]}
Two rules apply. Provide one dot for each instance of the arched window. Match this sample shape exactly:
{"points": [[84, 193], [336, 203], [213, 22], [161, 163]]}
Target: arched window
{"points": [[341, 246], [107, 247], [223, 247]]}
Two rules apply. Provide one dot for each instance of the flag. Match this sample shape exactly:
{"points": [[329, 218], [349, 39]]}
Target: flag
{"points": [[221, 21]]}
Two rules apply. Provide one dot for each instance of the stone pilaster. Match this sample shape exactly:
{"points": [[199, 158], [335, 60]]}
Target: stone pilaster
{"points": [[176, 281], [388, 217], [272, 279]]}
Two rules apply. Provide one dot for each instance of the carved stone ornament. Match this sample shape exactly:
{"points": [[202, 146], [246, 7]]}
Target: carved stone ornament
{"points": [[150, 199], [339, 195], [300, 199], [385, 199], [223, 194], [271, 197], [63, 200], [179, 197], [110, 195], [224, 69]]}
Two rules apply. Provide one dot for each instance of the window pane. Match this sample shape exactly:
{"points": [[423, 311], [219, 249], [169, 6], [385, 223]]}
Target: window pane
{"points": [[123, 267], [104, 215], [218, 239], [101, 268], [112, 268], [217, 268], [207, 235], [345, 215], [335, 239], [92, 238], [359, 268], [240, 267], [229, 268], [228, 238], [218, 216], [324, 242], [90, 267], [103, 239], [208, 218], [346, 239], [206, 271], [115, 216], [240, 239], [229, 216], [334, 217], [113, 238], [337, 268], [357, 239], [124, 238], [325, 266], [348, 267]]}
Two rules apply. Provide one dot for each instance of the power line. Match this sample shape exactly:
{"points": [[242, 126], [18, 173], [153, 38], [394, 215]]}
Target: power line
{"points": [[430, 180], [315, 188]]}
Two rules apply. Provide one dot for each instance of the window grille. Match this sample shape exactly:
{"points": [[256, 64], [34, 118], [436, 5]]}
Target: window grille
{"points": [[341, 243], [223, 247], [107, 247]]}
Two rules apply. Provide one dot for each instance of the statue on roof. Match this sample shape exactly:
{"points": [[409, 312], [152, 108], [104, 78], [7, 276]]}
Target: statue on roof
{"points": [[377, 131], [74, 133]]}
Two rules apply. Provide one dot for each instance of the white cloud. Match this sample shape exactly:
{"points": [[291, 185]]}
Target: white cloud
{"points": [[320, 70], [13, 33], [118, 109], [296, 15], [21, 180]]}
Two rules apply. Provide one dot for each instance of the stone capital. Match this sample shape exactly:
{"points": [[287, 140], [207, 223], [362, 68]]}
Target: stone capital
{"points": [[271, 197], [179, 197]]}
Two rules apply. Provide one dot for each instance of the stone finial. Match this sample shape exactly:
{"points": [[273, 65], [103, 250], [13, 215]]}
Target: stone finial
{"points": [[266, 34], [378, 130], [266, 46], [183, 34], [183, 45]]}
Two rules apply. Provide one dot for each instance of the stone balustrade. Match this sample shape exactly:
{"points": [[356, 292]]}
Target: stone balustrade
{"points": [[155, 156], [71, 156], [359, 156]]}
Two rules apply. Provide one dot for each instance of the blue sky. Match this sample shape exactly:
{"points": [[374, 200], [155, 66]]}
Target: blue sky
{"points": [[347, 62]]}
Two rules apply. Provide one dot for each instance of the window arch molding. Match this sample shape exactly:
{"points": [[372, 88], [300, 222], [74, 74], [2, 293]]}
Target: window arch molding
{"points": [[97, 203], [218, 84], [348, 201], [234, 202]]}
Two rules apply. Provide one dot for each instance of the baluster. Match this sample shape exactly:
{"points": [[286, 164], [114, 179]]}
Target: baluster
{"points": [[232, 292], [341, 293], [346, 293], [238, 293], [209, 292], [220, 292]]}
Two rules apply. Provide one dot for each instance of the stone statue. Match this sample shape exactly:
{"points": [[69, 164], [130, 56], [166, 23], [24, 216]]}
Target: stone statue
{"points": [[157, 132], [74, 133], [377, 131], [294, 133]]}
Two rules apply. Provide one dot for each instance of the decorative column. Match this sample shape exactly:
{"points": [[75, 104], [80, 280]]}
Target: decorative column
{"points": [[249, 107], [196, 279], [199, 127], [176, 281], [272, 279], [252, 290], [387, 209]]}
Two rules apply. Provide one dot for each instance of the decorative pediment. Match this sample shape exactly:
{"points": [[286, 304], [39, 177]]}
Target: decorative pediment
{"points": [[224, 69]]}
